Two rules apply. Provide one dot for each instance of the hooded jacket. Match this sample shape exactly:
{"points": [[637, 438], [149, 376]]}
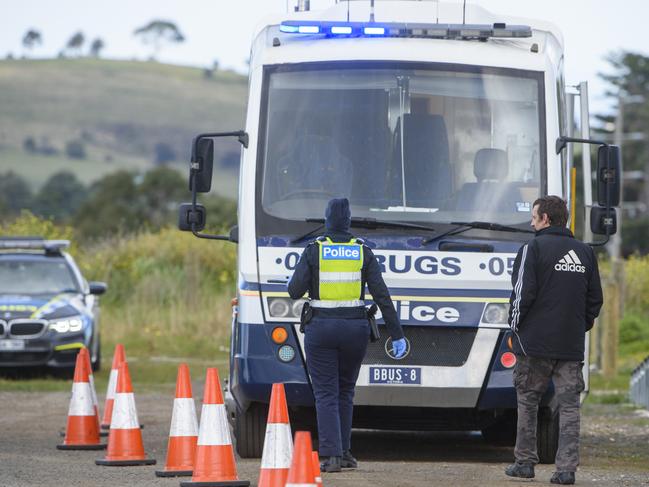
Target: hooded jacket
{"points": [[556, 295]]}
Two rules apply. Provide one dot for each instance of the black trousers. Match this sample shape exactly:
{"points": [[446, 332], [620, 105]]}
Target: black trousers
{"points": [[335, 348]]}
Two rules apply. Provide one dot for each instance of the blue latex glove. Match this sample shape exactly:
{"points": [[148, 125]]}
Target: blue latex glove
{"points": [[399, 347]]}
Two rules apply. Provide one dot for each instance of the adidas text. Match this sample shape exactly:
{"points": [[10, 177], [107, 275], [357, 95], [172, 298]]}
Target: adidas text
{"points": [[570, 267]]}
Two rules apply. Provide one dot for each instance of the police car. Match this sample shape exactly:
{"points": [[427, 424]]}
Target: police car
{"points": [[48, 311]]}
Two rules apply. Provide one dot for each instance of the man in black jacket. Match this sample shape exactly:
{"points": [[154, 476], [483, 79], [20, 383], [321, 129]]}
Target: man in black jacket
{"points": [[555, 299]]}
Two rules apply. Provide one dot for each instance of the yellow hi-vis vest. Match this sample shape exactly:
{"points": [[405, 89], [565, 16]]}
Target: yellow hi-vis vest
{"points": [[340, 274]]}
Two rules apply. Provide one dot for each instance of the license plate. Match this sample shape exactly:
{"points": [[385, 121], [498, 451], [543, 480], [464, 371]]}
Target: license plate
{"points": [[395, 375], [12, 345]]}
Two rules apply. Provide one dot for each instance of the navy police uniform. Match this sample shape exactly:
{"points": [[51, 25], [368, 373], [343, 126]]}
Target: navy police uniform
{"points": [[337, 335]]}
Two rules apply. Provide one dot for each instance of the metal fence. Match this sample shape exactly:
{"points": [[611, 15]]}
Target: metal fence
{"points": [[639, 385]]}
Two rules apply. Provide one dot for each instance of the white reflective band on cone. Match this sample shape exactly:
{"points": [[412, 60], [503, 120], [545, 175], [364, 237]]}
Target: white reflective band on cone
{"points": [[93, 391], [278, 446], [124, 412], [214, 429], [320, 303], [183, 418], [81, 401], [112, 384], [340, 276]]}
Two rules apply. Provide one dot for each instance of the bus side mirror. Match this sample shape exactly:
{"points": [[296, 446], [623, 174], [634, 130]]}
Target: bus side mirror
{"points": [[200, 172], [608, 175], [603, 221], [188, 215]]}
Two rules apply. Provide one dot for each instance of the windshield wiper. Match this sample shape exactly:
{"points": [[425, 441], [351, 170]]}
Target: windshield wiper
{"points": [[364, 222], [465, 226]]}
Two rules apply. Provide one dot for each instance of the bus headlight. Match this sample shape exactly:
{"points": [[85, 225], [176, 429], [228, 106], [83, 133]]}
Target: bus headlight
{"points": [[297, 307], [67, 325], [279, 307], [496, 313]]}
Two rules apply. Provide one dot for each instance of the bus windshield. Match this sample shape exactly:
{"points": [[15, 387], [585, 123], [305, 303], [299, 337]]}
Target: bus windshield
{"points": [[429, 144]]}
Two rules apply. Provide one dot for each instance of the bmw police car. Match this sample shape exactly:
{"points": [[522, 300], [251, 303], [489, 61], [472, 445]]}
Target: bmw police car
{"points": [[48, 311]]}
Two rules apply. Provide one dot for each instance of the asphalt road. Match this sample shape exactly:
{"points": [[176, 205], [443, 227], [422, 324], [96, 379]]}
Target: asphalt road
{"points": [[615, 451]]}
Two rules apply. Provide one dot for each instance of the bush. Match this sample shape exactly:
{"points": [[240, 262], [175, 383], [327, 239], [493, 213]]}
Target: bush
{"points": [[75, 149]]}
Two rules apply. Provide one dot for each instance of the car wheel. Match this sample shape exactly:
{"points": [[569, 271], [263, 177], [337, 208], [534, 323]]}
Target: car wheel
{"points": [[250, 430]]}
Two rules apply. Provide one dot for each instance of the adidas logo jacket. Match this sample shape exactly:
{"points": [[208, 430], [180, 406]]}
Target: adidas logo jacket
{"points": [[556, 295]]}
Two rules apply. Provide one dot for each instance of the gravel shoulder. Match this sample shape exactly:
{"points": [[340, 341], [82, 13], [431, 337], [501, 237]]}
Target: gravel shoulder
{"points": [[615, 450]]}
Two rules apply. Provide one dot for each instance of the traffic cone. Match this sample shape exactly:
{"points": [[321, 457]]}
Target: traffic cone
{"points": [[184, 429], [125, 437], [278, 444], [214, 462], [118, 358], [315, 462], [91, 379], [301, 472], [82, 430]]}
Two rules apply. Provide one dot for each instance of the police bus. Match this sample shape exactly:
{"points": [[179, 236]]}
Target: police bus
{"points": [[441, 125]]}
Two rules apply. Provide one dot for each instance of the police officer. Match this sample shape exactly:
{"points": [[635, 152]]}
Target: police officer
{"points": [[556, 297], [334, 270]]}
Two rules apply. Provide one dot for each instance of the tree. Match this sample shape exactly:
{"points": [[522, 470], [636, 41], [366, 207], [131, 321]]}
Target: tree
{"points": [[111, 207], [15, 194], [629, 89], [96, 47], [60, 197], [75, 44], [32, 38], [161, 191], [157, 33]]}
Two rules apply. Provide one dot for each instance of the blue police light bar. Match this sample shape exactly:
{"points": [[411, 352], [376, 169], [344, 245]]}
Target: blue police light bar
{"points": [[418, 30], [33, 243]]}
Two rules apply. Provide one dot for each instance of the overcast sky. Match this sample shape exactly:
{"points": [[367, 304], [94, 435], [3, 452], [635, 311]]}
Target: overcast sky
{"points": [[221, 29]]}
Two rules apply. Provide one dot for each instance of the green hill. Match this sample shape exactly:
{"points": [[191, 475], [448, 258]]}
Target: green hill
{"points": [[124, 114]]}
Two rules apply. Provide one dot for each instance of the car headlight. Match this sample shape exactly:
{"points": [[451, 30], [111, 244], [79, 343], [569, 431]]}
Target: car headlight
{"points": [[496, 313], [67, 325]]}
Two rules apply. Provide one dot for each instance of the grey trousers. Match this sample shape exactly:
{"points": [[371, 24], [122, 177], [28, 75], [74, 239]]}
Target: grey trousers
{"points": [[531, 378]]}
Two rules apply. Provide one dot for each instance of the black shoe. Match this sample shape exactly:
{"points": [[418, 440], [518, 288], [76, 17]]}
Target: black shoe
{"points": [[331, 464], [563, 478], [348, 461], [520, 470]]}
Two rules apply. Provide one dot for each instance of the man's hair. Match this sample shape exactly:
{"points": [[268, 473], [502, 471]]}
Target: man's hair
{"points": [[556, 209]]}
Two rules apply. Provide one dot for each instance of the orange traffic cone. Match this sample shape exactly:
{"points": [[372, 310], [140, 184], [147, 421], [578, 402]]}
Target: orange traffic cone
{"points": [[118, 358], [301, 472], [91, 379], [315, 462], [82, 430], [214, 462], [125, 437], [184, 429], [278, 444]]}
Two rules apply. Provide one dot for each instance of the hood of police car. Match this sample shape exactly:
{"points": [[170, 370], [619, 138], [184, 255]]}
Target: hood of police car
{"points": [[41, 306]]}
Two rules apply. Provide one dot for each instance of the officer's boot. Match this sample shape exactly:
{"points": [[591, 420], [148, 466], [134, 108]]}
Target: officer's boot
{"points": [[348, 461], [520, 470], [330, 464], [563, 478]]}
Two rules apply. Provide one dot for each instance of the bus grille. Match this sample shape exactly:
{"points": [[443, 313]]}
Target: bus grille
{"points": [[441, 347]]}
